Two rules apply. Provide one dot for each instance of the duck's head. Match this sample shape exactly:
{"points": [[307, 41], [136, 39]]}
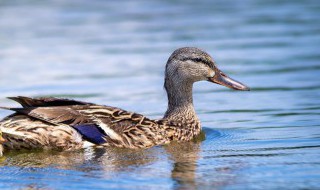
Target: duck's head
{"points": [[190, 64]]}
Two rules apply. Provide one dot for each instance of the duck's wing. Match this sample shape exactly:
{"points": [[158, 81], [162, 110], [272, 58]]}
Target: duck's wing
{"points": [[45, 101], [97, 124]]}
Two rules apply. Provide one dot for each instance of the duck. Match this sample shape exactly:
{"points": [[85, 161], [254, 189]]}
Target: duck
{"points": [[66, 124]]}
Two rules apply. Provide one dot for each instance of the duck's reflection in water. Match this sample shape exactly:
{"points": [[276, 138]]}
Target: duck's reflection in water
{"points": [[177, 162], [43, 159], [184, 157]]}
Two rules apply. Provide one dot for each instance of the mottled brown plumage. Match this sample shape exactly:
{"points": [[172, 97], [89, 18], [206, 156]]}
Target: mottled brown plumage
{"points": [[64, 124]]}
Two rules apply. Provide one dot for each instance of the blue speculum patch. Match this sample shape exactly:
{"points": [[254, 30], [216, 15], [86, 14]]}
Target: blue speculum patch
{"points": [[91, 132]]}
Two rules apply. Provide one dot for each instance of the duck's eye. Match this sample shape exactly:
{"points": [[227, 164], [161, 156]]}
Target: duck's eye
{"points": [[197, 60]]}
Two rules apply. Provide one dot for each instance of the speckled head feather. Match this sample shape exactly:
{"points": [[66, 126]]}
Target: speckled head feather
{"points": [[185, 66], [188, 64], [193, 54]]}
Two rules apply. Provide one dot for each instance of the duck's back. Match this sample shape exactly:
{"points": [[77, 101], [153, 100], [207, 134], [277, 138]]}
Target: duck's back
{"points": [[69, 124]]}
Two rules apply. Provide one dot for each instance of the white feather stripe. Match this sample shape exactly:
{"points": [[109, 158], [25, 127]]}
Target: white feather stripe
{"points": [[87, 144], [110, 133]]}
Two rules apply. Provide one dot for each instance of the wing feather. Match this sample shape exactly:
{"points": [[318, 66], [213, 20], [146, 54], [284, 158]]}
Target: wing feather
{"points": [[55, 115], [45, 101], [97, 124]]}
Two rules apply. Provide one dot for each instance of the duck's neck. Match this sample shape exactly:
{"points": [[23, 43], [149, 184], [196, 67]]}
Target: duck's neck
{"points": [[180, 102]]}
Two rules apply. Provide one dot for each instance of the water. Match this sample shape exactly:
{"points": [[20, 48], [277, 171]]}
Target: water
{"points": [[114, 53]]}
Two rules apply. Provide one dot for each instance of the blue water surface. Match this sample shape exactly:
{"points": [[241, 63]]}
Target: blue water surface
{"points": [[114, 53]]}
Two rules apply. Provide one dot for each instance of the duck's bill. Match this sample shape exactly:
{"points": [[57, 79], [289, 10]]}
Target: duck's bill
{"points": [[224, 80]]}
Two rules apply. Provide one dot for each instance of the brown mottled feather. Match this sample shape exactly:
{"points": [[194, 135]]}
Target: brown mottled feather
{"points": [[124, 129]]}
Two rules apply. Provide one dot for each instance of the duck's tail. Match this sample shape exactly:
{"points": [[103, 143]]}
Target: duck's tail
{"points": [[13, 136], [6, 132], [9, 138]]}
